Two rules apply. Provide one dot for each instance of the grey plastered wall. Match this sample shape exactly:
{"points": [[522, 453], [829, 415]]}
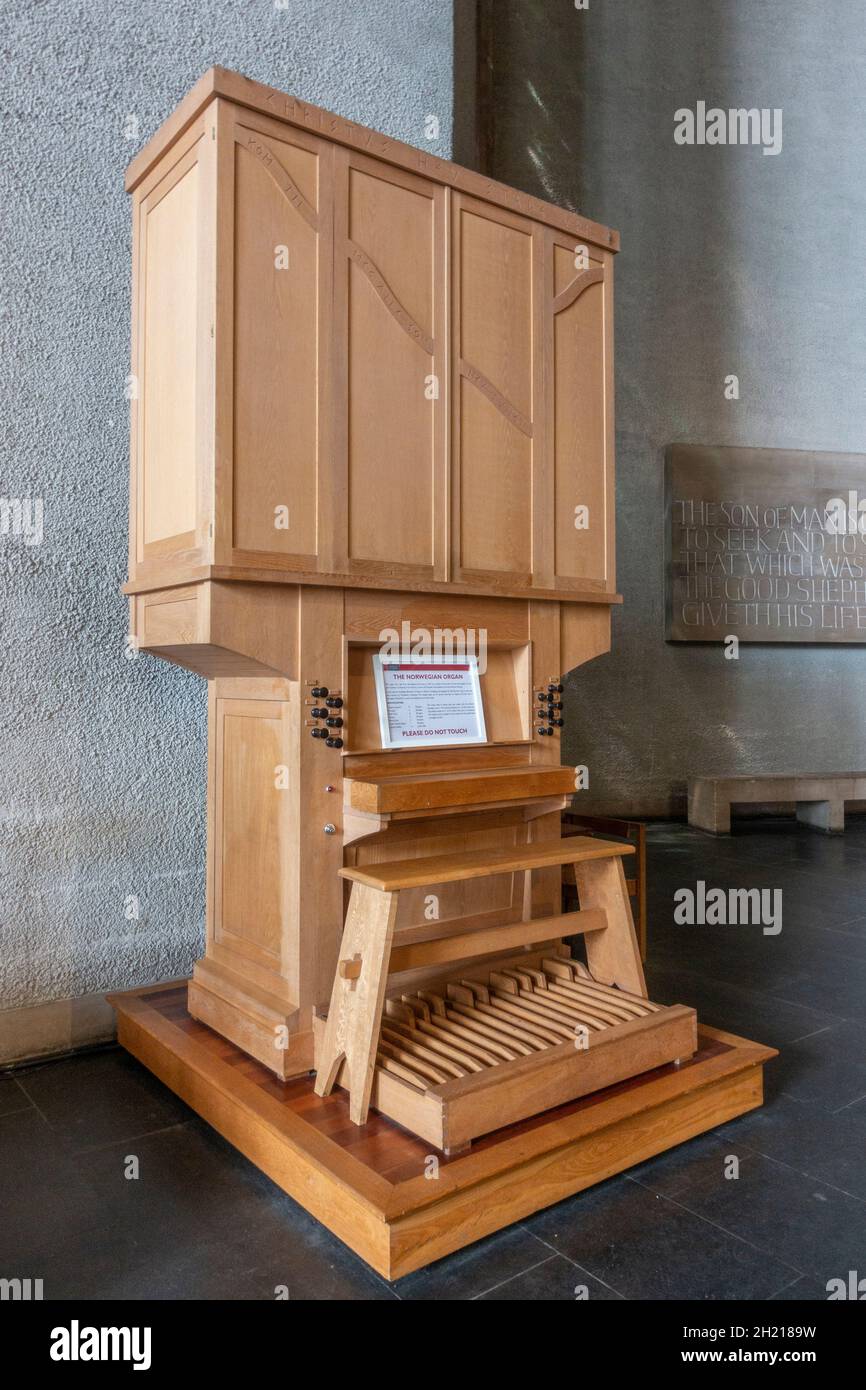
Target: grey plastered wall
{"points": [[102, 771], [732, 262]]}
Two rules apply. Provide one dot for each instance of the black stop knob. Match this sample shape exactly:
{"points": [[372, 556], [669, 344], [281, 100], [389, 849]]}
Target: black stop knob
{"points": [[335, 743], [318, 733], [559, 723], [334, 723], [545, 731], [319, 692], [334, 703], [555, 689], [318, 713], [557, 704]]}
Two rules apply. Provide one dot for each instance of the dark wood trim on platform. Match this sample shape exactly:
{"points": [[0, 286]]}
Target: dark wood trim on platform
{"points": [[368, 1184]]}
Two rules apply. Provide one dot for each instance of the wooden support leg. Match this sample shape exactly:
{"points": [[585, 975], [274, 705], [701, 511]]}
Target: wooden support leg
{"points": [[612, 954], [354, 1016]]}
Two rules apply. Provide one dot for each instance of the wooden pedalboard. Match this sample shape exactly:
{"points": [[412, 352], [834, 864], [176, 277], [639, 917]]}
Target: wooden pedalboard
{"points": [[369, 1185], [504, 1040], [482, 1055]]}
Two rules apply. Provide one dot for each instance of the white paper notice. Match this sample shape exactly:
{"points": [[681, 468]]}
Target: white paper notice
{"points": [[429, 702]]}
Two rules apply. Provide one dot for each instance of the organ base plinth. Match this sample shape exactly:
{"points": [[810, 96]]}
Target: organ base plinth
{"points": [[253, 1019], [371, 1184]]}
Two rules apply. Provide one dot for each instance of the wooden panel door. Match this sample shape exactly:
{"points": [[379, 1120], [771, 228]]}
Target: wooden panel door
{"points": [[391, 374], [252, 887], [496, 392], [172, 360], [273, 373], [579, 374]]}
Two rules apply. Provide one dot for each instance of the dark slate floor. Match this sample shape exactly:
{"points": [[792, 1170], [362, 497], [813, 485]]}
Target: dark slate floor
{"points": [[201, 1222]]}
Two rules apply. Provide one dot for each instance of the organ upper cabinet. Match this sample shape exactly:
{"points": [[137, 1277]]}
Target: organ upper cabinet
{"points": [[391, 365], [498, 393], [275, 270], [577, 327], [358, 364], [172, 361]]}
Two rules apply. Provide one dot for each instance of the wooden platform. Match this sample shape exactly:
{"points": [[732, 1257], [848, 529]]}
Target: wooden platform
{"points": [[368, 1184]]}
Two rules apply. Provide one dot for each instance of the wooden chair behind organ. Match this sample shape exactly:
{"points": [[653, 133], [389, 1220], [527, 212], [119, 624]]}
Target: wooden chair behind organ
{"points": [[375, 397]]}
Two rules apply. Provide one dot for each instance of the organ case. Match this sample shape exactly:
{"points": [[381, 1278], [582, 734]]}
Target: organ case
{"points": [[351, 370], [374, 401]]}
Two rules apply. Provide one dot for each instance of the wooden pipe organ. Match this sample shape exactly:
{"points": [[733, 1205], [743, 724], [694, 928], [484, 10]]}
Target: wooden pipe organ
{"points": [[374, 404]]}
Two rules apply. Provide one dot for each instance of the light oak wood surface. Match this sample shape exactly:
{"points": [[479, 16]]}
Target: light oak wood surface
{"points": [[428, 791], [415, 873], [368, 1185], [373, 393], [289, 110], [417, 1041], [407, 954], [362, 366]]}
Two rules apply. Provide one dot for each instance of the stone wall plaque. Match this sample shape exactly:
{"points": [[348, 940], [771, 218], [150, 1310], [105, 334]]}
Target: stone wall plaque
{"points": [[767, 545]]}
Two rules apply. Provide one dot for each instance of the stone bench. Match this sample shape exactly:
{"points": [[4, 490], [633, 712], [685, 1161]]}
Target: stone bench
{"points": [[819, 798]]}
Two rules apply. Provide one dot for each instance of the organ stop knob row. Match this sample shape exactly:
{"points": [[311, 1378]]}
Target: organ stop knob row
{"points": [[549, 711], [326, 712]]}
